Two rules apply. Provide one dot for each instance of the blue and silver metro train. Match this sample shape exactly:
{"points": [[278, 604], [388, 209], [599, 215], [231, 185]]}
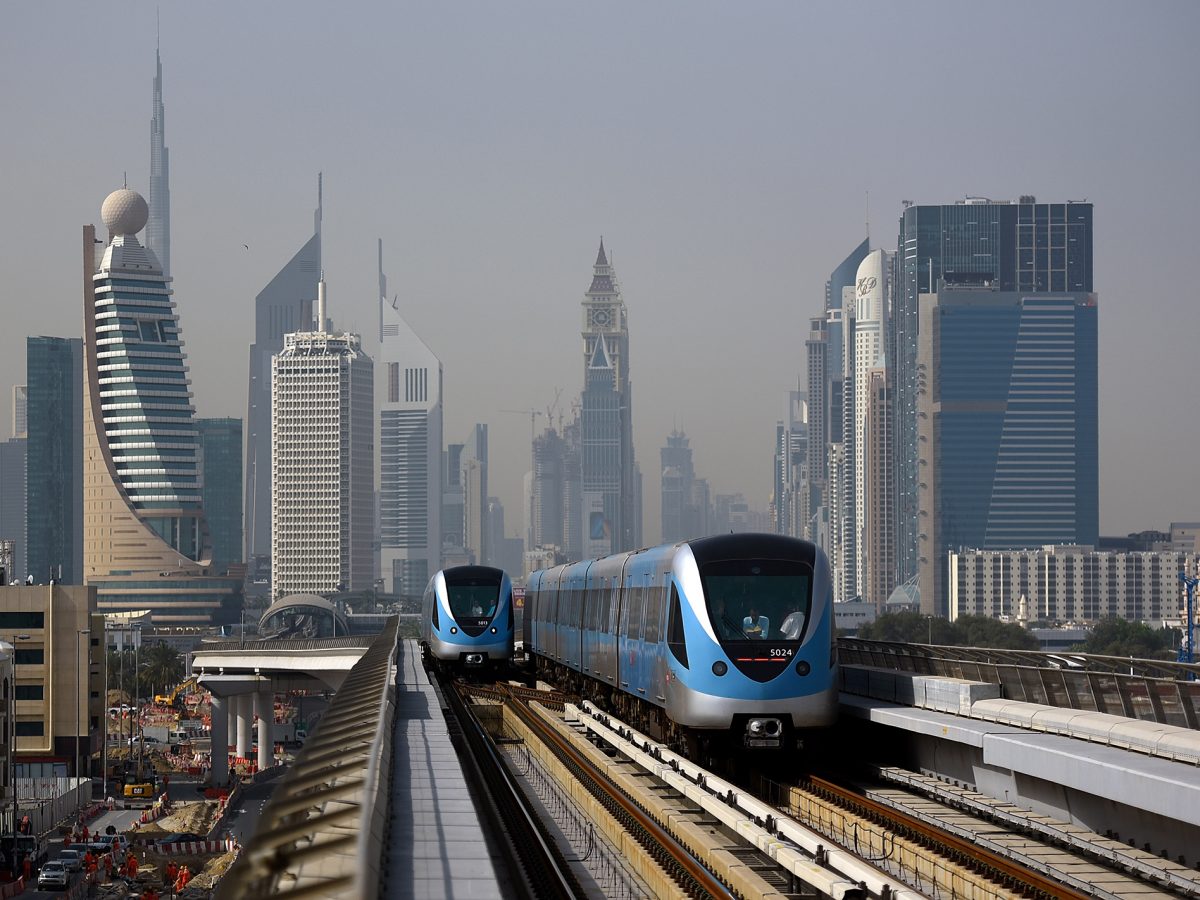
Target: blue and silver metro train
{"points": [[467, 617], [727, 638]]}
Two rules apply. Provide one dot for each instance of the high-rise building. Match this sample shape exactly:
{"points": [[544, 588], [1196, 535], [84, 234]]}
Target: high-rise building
{"points": [[408, 391], [879, 521], [685, 500], [54, 469], [322, 462], [844, 389], [790, 494], [221, 465], [505, 552], [285, 305], [452, 504], [816, 460], [146, 542], [611, 482], [1069, 584], [1007, 421], [550, 490], [12, 504], [158, 228], [872, 294], [1027, 247], [473, 477], [19, 410]]}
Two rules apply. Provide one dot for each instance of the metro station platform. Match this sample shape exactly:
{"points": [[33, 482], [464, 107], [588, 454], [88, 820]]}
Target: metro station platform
{"points": [[1145, 799], [435, 847]]}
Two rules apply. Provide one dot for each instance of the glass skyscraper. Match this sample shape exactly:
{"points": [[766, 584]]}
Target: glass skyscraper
{"points": [[285, 305], [54, 469], [408, 396], [1007, 425], [146, 542], [1024, 247], [221, 462]]}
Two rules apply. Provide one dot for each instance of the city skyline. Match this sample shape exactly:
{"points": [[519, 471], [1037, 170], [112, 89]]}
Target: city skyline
{"points": [[736, 227]]}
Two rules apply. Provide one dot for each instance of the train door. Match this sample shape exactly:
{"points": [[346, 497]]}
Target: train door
{"points": [[607, 639], [656, 630]]}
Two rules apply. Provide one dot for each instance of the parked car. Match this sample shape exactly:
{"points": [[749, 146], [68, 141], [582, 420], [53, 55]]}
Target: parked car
{"points": [[72, 859], [53, 875]]}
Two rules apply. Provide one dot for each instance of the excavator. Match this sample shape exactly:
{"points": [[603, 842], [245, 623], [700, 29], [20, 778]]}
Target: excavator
{"points": [[173, 697]]}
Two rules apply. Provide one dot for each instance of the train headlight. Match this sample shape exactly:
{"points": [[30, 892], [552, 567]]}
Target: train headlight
{"points": [[493, 631], [719, 668], [453, 630], [803, 668]]}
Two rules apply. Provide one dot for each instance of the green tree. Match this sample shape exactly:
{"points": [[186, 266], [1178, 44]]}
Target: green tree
{"points": [[966, 631], [1120, 637], [980, 631], [162, 669]]}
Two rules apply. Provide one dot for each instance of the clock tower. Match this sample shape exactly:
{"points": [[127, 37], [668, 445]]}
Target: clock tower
{"points": [[604, 314], [611, 483]]}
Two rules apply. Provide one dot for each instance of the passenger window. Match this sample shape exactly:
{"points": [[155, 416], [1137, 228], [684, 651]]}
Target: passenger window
{"points": [[634, 631], [654, 611], [676, 642]]}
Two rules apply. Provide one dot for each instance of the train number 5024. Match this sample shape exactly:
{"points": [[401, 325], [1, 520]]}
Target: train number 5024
{"points": [[782, 652]]}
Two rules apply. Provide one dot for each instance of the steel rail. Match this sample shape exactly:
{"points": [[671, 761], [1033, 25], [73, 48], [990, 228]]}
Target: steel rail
{"points": [[683, 867], [537, 865], [985, 861]]}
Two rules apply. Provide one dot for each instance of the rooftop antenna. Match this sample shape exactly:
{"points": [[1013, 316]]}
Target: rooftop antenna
{"points": [[125, 180], [868, 194], [382, 289], [321, 303], [317, 214]]}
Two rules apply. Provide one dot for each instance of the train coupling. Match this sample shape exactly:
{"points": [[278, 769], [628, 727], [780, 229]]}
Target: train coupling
{"points": [[764, 733], [474, 659]]}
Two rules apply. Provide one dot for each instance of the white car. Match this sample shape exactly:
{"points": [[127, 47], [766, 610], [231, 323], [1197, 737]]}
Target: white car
{"points": [[72, 859], [53, 874]]}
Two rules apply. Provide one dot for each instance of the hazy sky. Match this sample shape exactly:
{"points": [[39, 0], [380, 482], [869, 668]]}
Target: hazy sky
{"points": [[724, 151]]}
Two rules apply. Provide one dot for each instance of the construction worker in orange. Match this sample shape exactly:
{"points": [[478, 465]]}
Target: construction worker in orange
{"points": [[27, 867], [131, 865]]}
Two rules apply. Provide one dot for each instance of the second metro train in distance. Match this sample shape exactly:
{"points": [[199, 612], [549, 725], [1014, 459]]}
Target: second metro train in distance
{"points": [[726, 639], [467, 618]]}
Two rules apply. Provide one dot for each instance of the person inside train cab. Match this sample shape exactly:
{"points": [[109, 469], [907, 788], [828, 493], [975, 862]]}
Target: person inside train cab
{"points": [[754, 625]]}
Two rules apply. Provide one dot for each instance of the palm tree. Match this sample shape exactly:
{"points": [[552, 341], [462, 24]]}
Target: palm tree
{"points": [[162, 666]]}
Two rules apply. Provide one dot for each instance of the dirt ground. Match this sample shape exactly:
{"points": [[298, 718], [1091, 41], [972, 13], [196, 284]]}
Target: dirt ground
{"points": [[196, 817]]}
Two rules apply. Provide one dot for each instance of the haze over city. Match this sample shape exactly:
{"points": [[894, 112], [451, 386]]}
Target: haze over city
{"points": [[731, 156]]}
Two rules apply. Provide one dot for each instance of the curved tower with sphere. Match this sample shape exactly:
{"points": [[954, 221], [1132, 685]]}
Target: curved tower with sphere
{"points": [[146, 543]]}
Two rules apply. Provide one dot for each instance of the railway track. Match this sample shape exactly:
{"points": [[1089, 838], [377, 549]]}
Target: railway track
{"points": [[994, 866], [537, 868], [941, 856], [690, 874]]}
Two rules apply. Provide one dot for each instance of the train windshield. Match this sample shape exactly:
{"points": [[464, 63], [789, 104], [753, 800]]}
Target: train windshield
{"points": [[758, 599], [473, 594]]}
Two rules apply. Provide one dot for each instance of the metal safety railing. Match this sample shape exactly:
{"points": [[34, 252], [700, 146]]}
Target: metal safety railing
{"points": [[1160, 691], [322, 832]]}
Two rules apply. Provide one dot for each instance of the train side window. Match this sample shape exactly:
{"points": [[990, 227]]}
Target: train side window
{"points": [[634, 631], [676, 642], [654, 611]]}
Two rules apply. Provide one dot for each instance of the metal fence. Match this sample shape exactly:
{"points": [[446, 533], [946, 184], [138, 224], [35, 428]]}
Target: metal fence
{"points": [[1154, 690]]}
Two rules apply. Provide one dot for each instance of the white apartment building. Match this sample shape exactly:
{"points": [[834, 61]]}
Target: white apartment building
{"points": [[1069, 583], [322, 462]]}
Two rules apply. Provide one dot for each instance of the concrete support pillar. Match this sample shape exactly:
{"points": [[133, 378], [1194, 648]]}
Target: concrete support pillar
{"points": [[220, 739], [265, 700], [231, 734], [245, 719]]}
